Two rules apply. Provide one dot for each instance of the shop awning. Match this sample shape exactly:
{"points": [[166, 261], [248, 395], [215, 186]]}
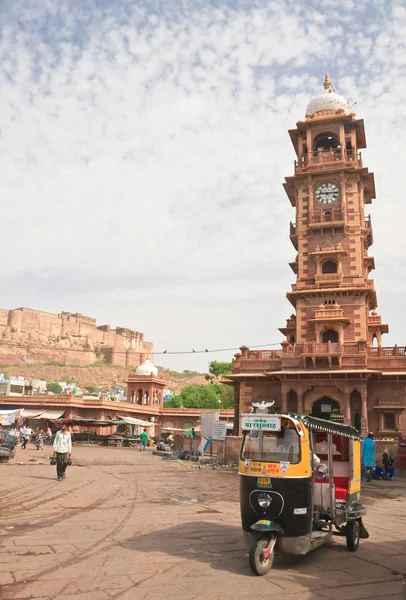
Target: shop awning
{"points": [[50, 414], [197, 428], [84, 421], [31, 413], [8, 416], [132, 421]]}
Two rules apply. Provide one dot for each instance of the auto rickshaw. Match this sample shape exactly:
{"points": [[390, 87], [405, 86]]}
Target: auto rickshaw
{"points": [[300, 484]]}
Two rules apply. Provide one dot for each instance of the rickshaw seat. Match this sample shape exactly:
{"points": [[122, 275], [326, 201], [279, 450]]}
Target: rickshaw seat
{"points": [[341, 486]]}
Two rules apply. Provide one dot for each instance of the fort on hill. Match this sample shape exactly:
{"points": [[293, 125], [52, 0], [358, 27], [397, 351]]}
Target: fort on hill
{"points": [[28, 336]]}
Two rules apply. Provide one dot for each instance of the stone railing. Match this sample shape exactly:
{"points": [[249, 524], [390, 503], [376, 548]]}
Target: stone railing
{"points": [[314, 348], [328, 215], [328, 278], [330, 313], [333, 157], [387, 351], [345, 284]]}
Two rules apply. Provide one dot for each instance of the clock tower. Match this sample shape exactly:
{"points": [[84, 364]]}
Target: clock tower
{"points": [[333, 296], [332, 363]]}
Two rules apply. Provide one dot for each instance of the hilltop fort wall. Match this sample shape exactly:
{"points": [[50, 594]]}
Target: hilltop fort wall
{"points": [[28, 335]]}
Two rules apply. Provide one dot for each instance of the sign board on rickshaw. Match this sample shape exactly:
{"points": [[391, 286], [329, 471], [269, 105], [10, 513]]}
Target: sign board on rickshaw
{"points": [[257, 422]]}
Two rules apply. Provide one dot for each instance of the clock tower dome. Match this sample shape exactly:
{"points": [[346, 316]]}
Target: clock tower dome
{"points": [[333, 296]]}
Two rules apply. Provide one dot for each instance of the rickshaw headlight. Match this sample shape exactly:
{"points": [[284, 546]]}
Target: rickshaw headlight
{"points": [[264, 500]]}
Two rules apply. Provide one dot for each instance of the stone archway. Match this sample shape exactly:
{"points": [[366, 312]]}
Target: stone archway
{"points": [[328, 408], [292, 402], [355, 409]]}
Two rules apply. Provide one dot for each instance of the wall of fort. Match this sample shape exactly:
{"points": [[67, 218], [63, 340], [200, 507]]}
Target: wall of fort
{"points": [[28, 335]]}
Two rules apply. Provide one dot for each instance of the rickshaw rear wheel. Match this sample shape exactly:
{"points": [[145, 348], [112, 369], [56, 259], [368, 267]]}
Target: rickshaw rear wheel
{"points": [[353, 535], [260, 564]]}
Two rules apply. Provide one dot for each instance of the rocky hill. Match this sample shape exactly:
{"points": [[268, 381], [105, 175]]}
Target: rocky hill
{"points": [[105, 377]]}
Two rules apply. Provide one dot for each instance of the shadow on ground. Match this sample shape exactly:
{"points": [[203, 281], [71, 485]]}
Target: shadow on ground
{"points": [[222, 548]]}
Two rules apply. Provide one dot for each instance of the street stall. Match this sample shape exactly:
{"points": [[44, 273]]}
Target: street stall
{"points": [[91, 436]]}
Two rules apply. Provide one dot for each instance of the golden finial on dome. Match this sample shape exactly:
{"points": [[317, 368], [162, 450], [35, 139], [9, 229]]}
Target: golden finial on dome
{"points": [[327, 82]]}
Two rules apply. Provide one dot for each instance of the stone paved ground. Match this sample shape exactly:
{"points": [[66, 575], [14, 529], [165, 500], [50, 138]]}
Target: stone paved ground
{"points": [[122, 525]]}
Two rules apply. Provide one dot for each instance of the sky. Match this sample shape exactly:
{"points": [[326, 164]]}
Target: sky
{"points": [[143, 148]]}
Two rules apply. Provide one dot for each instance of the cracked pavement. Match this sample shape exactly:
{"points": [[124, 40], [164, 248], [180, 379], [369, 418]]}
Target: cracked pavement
{"points": [[132, 526]]}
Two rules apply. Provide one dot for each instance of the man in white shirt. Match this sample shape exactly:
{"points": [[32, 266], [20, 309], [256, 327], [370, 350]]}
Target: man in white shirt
{"points": [[24, 436], [62, 451]]}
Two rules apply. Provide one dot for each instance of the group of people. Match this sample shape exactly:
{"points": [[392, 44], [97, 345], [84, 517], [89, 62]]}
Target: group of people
{"points": [[25, 434], [368, 458]]}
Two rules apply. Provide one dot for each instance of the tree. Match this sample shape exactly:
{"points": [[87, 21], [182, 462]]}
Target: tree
{"points": [[218, 368], [227, 396], [54, 387], [214, 396]]}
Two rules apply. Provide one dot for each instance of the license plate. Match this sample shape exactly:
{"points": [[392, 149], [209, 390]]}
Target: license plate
{"points": [[264, 482]]}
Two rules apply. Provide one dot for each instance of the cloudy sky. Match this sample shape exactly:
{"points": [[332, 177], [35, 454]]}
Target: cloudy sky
{"points": [[143, 148]]}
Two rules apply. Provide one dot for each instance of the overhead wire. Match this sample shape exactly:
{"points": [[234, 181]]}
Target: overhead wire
{"points": [[161, 352]]}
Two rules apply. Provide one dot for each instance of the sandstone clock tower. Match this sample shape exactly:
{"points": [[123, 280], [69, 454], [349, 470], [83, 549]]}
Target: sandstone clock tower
{"points": [[332, 363], [333, 296]]}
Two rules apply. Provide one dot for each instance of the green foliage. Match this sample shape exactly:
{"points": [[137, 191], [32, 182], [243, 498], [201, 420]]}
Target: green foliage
{"points": [[92, 389], [227, 396], [54, 363], [54, 387], [218, 368], [187, 372], [214, 395]]}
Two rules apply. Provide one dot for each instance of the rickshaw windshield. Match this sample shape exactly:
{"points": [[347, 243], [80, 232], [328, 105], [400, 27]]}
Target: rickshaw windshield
{"points": [[272, 446]]}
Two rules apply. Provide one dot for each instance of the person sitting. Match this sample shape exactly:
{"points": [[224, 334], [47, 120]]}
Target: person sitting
{"points": [[388, 463]]}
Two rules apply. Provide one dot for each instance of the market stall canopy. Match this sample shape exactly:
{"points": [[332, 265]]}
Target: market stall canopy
{"points": [[132, 421], [31, 413], [197, 428], [8, 416], [50, 414], [84, 421]]}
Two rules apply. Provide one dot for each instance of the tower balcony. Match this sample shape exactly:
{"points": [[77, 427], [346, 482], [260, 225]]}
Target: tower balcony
{"points": [[328, 217], [329, 279], [324, 355], [334, 158], [368, 235], [293, 266], [293, 235]]}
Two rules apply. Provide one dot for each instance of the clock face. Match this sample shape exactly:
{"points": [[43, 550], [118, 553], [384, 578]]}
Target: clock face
{"points": [[327, 193]]}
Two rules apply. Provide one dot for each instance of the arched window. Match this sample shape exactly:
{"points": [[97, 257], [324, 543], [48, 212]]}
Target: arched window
{"points": [[139, 397], [329, 266], [330, 335], [292, 340], [326, 408], [374, 341], [325, 141], [327, 215]]}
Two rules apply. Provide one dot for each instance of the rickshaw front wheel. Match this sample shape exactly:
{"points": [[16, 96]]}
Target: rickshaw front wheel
{"points": [[261, 557], [353, 535]]}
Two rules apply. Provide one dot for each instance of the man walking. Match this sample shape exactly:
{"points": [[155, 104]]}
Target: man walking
{"points": [[143, 440], [368, 456], [24, 436], [62, 451]]}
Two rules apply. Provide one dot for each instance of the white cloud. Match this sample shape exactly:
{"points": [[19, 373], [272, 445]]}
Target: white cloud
{"points": [[142, 143]]}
